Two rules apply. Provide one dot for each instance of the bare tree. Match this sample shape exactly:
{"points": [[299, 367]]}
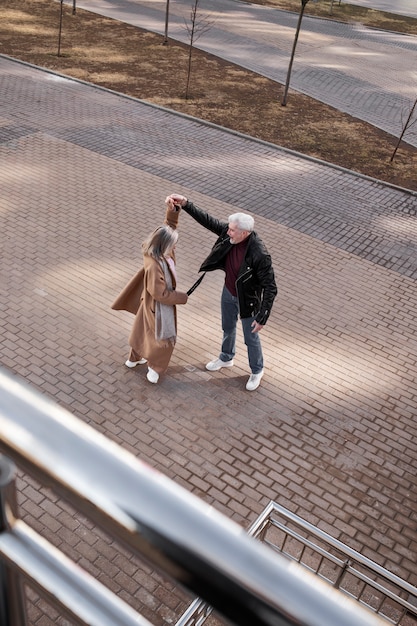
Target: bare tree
{"points": [[166, 23], [61, 11], [406, 127], [297, 32], [198, 25]]}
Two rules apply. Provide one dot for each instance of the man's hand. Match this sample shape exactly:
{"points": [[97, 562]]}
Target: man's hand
{"points": [[256, 328], [175, 199]]}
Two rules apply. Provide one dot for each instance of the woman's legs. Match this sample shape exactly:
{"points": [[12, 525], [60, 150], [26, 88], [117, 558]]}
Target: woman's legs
{"points": [[134, 359]]}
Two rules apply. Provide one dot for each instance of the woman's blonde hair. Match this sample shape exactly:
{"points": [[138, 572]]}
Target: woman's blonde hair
{"points": [[160, 242]]}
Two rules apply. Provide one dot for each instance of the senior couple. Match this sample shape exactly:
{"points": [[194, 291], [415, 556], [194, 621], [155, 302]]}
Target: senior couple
{"points": [[249, 291]]}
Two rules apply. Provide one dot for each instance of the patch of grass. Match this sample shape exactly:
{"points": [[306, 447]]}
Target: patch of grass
{"points": [[130, 60]]}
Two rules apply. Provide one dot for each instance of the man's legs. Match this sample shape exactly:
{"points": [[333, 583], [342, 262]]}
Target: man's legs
{"points": [[230, 311], [253, 344]]}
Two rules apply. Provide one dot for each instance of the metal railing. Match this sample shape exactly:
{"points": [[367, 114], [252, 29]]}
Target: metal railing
{"points": [[184, 538], [363, 580]]}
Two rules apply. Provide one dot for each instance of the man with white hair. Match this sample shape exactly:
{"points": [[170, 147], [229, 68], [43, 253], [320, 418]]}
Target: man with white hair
{"points": [[249, 288]]}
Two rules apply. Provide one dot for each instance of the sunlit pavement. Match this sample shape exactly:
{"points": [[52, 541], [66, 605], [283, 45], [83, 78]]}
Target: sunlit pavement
{"points": [[331, 431], [399, 7], [367, 73]]}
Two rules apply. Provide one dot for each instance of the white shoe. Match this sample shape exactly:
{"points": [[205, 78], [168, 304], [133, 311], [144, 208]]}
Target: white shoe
{"points": [[134, 363], [152, 376], [254, 381], [217, 364]]}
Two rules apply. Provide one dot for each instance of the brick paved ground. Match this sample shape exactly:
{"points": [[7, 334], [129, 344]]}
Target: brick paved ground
{"points": [[330, 434]]}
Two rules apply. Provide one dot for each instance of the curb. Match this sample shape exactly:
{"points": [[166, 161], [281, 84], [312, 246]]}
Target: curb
{"points": [[236, 133]]}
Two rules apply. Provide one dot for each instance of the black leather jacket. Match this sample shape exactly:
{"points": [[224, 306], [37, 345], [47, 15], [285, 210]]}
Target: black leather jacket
{"points": [[255, 285]]}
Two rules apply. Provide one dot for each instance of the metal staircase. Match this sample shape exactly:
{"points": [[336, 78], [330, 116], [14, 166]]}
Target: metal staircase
{"points": [[374, 587]]}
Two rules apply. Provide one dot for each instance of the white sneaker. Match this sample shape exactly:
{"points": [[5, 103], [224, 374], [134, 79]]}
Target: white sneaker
{"points": [[134, 363], [254, 381], [152, 376], [217, 364]]}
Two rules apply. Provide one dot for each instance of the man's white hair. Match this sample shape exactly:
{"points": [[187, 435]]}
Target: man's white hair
{"points": [[242, 221]]}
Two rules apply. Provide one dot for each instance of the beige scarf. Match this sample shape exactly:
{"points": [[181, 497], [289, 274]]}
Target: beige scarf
{"points": [[164, 313]]}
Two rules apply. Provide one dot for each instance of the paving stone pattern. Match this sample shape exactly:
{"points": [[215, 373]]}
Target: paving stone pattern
{"points": [[330, 434]]}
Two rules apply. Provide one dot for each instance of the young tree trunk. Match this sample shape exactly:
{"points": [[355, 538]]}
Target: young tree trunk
{"points": [[60, 27], [406, 126], [166, 23], [190, 49], [199, 24], [190, 55], [287, 84]]}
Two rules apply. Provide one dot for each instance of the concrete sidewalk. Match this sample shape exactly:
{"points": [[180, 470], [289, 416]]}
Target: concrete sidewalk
{"points": [[331, 432], [399, 7], [369, 74]]}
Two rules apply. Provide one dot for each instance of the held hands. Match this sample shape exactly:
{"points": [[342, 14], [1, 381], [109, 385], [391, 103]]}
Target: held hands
{"points": [[175, 200]]}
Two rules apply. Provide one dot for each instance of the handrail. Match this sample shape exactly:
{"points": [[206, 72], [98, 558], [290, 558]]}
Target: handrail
{"points": [[348, 565], [335, 543], [55, 576], [176, 532], [375, 577], [12, 607]]}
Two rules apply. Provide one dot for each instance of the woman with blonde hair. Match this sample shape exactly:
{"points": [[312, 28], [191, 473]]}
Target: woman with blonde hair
{"points": [[152, 297]]}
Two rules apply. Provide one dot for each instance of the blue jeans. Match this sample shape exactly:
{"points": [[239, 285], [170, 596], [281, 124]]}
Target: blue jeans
{"points": [[230, 314]]}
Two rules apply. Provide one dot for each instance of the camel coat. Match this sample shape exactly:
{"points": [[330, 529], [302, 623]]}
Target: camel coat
{"points": [[139, 297]]}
